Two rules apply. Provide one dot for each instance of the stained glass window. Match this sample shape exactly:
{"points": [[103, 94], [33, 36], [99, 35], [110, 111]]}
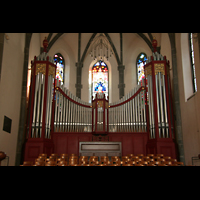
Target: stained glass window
{"points": [[100, 78], [192, 63], [141, 61], [60, 67]]}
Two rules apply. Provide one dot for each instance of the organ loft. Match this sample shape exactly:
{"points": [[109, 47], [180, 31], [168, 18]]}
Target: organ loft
{"points": [[98, 99]]}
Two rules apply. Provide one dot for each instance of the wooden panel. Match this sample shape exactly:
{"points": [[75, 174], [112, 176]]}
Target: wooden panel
{"points": [[60, 143], [115, 138], [138, 145], [127, 145], [69, 142], [166, 150], [100, 148], [33, 151], [83, 138], [73, 145]]}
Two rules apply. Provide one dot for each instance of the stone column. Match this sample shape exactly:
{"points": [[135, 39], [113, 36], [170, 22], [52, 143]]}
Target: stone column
{"points": [[78, 84], [23, 110], [177, 109], [121, 85]]}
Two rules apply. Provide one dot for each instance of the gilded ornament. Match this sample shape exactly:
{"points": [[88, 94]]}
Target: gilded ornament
{"points": [[159, 68], [40, 68], [148, 71], [51, 70], [99, 104]]}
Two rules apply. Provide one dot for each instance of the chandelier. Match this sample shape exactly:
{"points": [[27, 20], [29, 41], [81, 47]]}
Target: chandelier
{"points": [[100, 48]]}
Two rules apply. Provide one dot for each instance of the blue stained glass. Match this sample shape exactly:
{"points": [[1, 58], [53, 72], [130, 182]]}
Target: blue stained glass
{"points": [[100, 78], [60, 67], [141, 61]]}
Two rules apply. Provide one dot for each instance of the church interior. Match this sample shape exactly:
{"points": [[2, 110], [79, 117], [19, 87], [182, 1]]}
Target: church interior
{"points": [[103, 97]]}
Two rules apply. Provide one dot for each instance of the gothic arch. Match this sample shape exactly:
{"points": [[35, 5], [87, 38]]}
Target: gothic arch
{"points": [[111, 43]]}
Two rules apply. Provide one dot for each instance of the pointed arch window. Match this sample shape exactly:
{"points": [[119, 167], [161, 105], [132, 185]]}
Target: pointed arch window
{"points": [[140, 62], [192, 63], [60, 70], [99, 77]]}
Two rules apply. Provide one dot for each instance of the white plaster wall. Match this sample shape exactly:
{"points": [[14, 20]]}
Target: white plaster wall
{"points": [[67, 49], [189, 109], [10, 91], [113, 82], [133, 45]]}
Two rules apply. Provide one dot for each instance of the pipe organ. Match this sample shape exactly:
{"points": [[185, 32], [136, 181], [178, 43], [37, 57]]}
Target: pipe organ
{"points": [[129, 113], [71, 113], [146, 110], [159, 93], [43, 73]]}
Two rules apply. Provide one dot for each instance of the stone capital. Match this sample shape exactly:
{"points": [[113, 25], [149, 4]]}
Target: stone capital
{"points": [[121, 67], [78, 86], [79, 64], [121, 85]]}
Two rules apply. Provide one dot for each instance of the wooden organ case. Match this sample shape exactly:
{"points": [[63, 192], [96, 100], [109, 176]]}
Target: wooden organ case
{"points": [[139, 123]]}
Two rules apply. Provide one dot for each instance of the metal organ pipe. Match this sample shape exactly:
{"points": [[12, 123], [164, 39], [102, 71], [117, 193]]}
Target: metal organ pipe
{"points": [[161, 105], [165, 107]]}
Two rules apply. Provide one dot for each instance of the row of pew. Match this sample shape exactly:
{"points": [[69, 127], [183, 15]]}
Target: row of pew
{"points": [[128, 160]]}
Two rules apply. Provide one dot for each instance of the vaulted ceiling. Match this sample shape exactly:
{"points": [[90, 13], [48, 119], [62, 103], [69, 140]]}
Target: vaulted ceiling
{"points": [[147, 37]]}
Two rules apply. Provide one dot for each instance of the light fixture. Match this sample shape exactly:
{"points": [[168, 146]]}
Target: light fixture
{"points": [[100, 48]]}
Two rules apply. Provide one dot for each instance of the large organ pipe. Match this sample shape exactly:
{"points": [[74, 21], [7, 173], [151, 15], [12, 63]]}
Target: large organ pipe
{"points": [[125, 119], [133, 111], [128, 113], [144, 107], [49, 106], [120, 120], [138, 109], [75, 113], [141, 111], [56, 108], [78, 116], [64, 111], [42, 103], [123, 113], [110, 118], [152, 108], [165, 107], [35, 103], [159, 103], [38, 104], [61, 110], [151, 115], [69, 114], [113, 118]]}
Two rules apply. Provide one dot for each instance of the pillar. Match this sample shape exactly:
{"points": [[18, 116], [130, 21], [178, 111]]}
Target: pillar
{"points": [[177, 109], [121, 85], [78, 84]]}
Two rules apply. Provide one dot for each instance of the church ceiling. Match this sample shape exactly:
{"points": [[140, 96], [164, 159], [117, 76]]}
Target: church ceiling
{"points": [[113, 38]]}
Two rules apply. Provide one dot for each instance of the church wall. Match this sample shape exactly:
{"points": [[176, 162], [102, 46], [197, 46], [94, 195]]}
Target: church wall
{"points": [[10, 91], [189, 107], [113, 82], [62, 46], [34, 50], [133, 45]]}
